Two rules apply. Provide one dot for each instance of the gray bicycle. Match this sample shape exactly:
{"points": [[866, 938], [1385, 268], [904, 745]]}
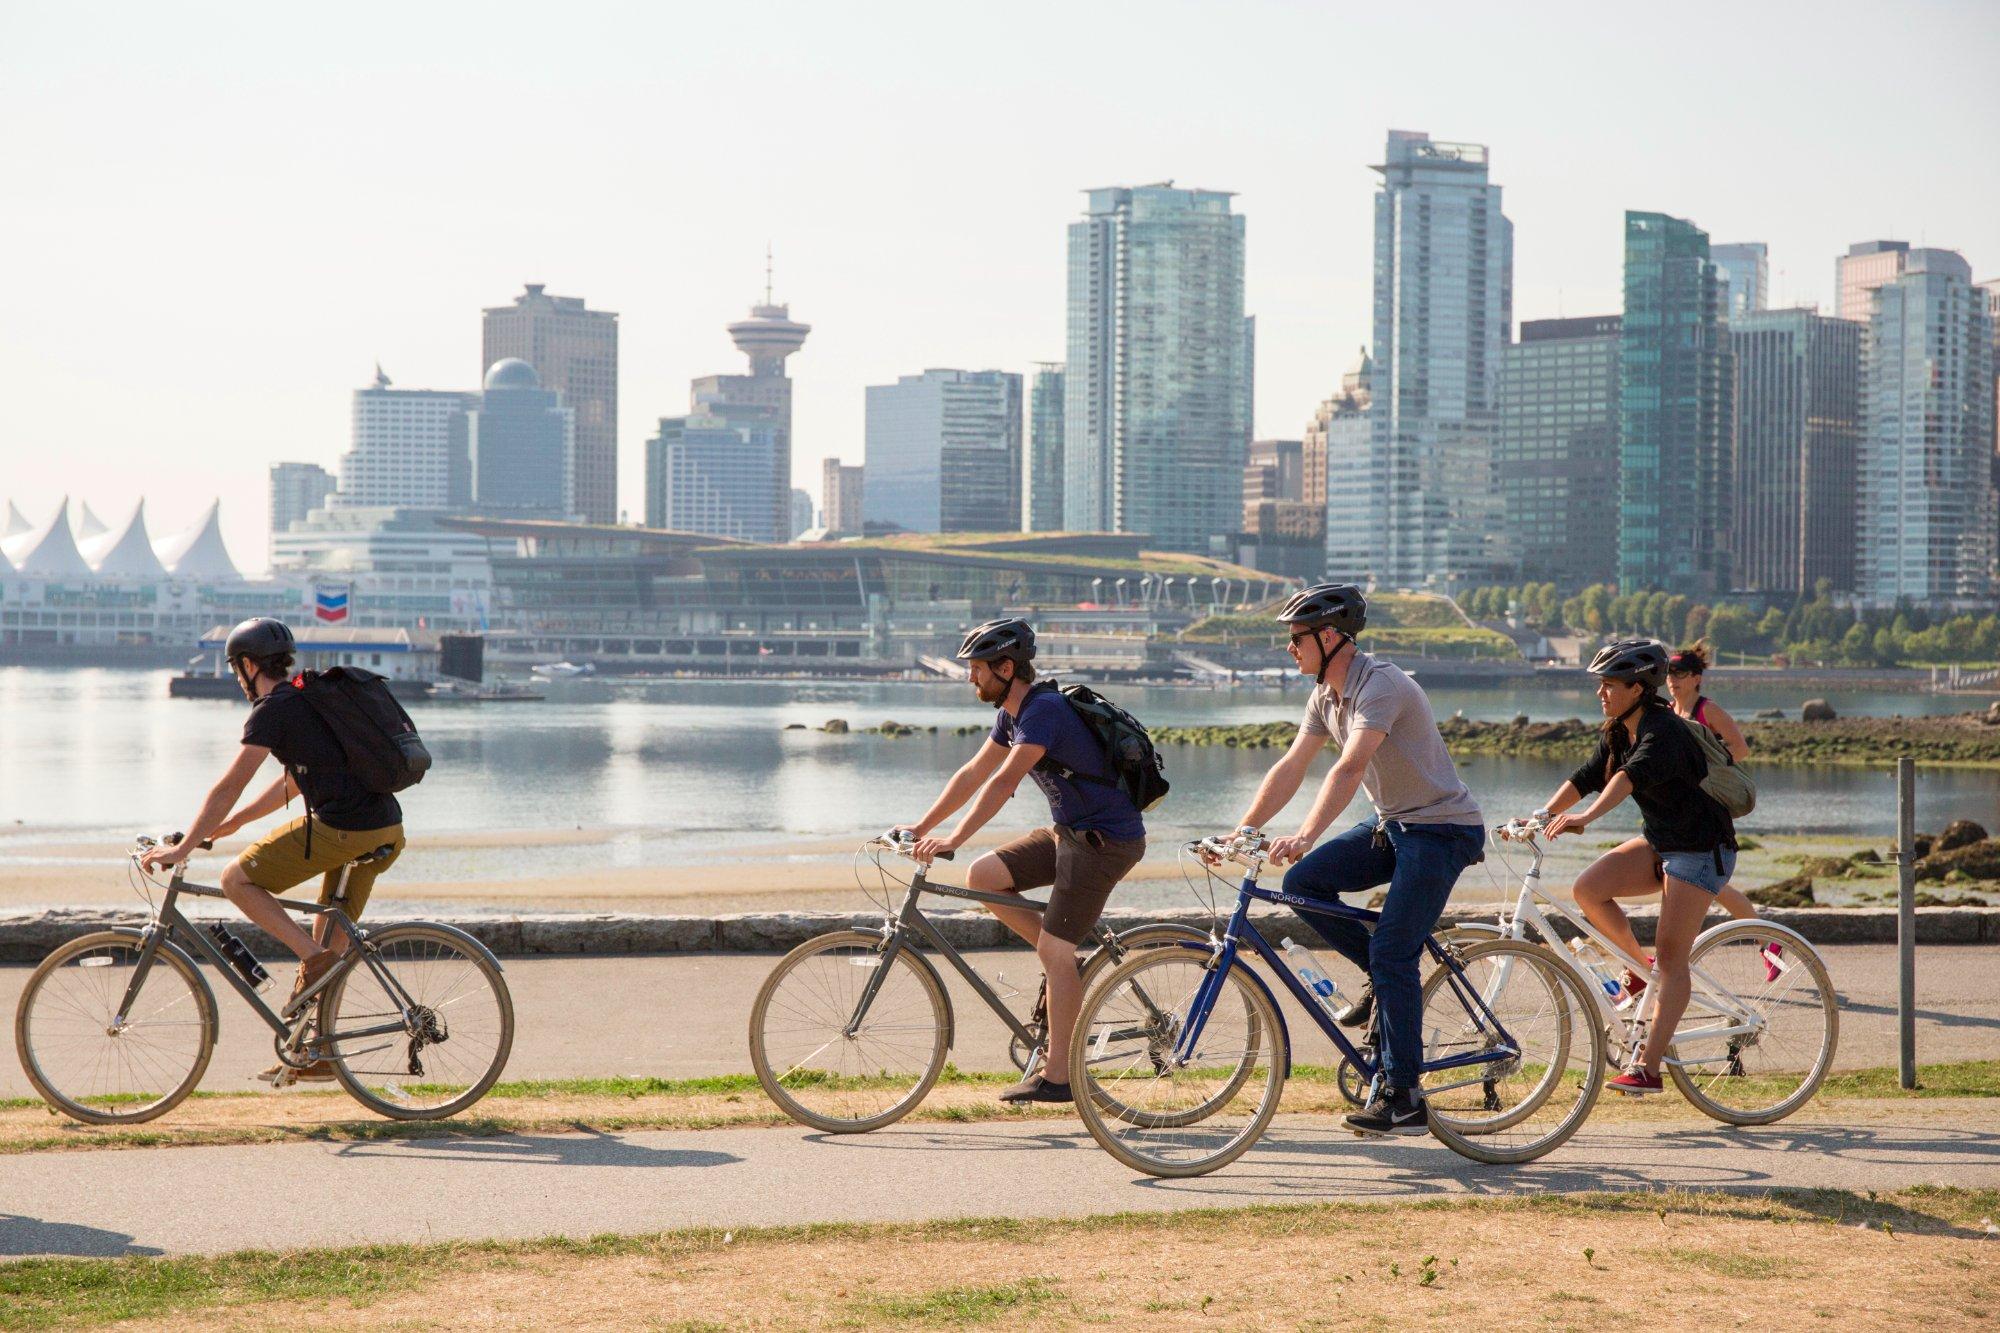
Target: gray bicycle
{"points": [[852, 1029], [117, 1027]]}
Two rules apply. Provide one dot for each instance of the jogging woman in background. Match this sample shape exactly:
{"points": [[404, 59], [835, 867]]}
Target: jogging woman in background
{"points": [[1684, 672]]}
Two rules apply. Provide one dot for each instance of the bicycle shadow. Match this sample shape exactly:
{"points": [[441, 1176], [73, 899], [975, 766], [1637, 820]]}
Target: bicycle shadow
{"points": [[22, 1237], [585, 1147], [1943, 1018], [956, 1140]]}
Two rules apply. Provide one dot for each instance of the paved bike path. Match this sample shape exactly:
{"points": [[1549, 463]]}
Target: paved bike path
{"points": [[280, 1196]]}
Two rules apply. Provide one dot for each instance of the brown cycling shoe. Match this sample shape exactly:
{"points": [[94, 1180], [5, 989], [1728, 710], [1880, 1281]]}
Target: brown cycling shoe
{"points": [[319, 1071], [311, 972]]}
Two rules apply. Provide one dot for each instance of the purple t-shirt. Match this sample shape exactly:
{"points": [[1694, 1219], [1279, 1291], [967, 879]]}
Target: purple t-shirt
{"points": [[1048, 720]]}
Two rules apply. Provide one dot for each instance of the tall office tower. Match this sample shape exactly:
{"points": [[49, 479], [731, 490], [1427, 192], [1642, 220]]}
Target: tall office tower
{"points": [[1925, 516], [1798, 422], [1745, 274], [1274, 470], [407, 449], [1156, 391], [840, 497], [1340, 447], [1444, 265], [802, 512], [296, 490], [1556, 460], [1674, 426], [523, 444], [764, 396], [1042, 464], [1992, 290], [705, 474], [575, 352], [1865, 266], [944, 452]]}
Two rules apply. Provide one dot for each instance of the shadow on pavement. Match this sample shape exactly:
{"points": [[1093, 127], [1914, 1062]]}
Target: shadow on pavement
{"points": [[584, 1147], [22, 1236], [955, 1140]]}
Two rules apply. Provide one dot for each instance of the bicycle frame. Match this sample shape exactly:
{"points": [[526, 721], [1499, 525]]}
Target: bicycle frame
{"points": [[1241, 930]]}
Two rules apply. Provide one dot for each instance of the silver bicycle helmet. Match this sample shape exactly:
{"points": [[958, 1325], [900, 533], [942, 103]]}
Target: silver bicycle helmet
{"points": [[1640, 660]]}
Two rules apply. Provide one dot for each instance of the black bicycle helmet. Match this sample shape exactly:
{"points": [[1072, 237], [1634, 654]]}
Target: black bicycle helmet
{"points": [[1338, 606], [998, 638], [1640, 660], [258, 638]]}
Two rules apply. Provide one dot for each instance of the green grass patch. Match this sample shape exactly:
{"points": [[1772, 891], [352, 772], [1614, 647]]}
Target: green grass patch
{"points": [[1753, 1267], [963, 1305]]}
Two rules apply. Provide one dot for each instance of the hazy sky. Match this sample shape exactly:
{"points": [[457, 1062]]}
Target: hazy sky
{"points": [[215, 219]]}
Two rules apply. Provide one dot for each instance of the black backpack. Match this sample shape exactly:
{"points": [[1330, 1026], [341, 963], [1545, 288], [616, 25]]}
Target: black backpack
{"points": [[1136, 767], [384, 752]]}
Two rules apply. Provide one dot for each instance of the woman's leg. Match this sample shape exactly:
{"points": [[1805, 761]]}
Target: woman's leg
{"points": [[1626, 871], [1682, 911]]}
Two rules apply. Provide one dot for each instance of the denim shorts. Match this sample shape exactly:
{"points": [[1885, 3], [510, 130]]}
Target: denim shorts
{"points": [[1698, 868]]}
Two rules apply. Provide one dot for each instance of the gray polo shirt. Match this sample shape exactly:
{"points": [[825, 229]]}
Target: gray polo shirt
{"points": [[1411, 778]]}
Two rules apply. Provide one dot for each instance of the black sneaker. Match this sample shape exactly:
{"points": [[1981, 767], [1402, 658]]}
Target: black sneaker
{"points": [[1035, 1088], [1399, 1111], [1361, 1012]]}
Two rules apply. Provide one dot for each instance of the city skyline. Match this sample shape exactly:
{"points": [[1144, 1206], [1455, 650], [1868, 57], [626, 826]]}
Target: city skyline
{"points": [[264, 189]]}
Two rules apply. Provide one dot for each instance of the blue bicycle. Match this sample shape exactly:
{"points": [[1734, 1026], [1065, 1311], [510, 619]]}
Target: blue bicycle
{"points": [[1187, 1052]]}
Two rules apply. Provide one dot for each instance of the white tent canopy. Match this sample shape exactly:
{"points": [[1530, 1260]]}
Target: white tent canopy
{"points": [[125, 552], [199, 552], [14, 524], [48, 551], [90, 525]]}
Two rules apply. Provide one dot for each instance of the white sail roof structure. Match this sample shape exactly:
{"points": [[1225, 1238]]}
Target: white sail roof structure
{"points": [[125, 552], [48, 551], [90, 525], [14, 523], [199, 552]]}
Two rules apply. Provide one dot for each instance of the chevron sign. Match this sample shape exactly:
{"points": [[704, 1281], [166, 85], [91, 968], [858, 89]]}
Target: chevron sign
{"points": [[330, 604]]}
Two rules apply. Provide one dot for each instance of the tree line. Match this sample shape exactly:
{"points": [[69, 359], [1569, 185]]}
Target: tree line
{"points": [[1813, 630]]}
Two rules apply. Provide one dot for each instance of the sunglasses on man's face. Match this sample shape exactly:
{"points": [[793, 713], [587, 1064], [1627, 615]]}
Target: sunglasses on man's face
{"points": [[1297, 639]]}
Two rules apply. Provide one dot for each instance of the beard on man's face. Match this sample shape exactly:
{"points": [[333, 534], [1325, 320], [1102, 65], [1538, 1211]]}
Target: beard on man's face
{"points": [[991, 686]]}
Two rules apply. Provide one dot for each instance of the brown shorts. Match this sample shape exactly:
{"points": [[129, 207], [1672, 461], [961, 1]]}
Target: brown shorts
{"points": [[278, 861], [1083, 875]]}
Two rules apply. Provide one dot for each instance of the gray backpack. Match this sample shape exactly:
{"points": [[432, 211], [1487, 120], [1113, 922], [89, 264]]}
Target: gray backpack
{"points": [[1731, 787]]}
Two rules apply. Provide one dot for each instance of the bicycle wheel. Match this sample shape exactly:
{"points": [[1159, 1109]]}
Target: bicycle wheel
{"points": [[433, 1043], [824, 1075], [1512, 998], [1160, 1112], [1099, 961], [1766, 1059], [92, 1072]]}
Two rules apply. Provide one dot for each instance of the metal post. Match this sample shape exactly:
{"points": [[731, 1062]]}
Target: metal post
{"points": [[1906, 922]]}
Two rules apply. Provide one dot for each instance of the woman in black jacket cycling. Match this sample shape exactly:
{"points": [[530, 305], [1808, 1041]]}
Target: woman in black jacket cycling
{"points": [[1689, 852]]}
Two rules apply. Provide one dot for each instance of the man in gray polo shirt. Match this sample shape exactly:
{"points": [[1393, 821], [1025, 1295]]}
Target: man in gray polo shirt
{"points": [[1425, 831]]}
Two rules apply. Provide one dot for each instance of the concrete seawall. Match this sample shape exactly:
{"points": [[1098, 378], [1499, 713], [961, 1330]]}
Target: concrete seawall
{"points": [[26, 937]]}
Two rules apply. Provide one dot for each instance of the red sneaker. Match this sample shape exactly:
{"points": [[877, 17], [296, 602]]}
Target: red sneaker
{"points": [[1774, 962], [1633, 982], [1636, 1082]]}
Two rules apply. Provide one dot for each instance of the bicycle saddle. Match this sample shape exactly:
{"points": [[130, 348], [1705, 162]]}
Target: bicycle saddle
{"points": [[382, 853]]}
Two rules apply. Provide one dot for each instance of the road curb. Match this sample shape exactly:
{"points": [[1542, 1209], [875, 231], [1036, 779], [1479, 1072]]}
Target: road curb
{"points": [[26, 937]]}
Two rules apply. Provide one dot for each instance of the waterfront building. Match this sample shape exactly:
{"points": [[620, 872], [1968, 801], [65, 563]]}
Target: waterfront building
{"points": [[802, 512], [1798, 423], [1340, 445], [407, 449], [1157, 380], [762, 399], [198, 552], [399, 567], [1865, 267], [1042, 464], [840, 496], [1992, 290], [1926, 513], [708, 474], [574, 351], [1675, 429], [1444, 265], [522, 440], [1556, 457], [1273, 470], [1744, 272], [296, 490], [944, 452]]}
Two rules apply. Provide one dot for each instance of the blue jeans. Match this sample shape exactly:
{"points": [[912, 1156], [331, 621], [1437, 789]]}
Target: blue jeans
{"points": [[1420, 864]]}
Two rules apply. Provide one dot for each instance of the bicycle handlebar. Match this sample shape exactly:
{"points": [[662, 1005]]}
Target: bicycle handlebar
{"points": [[904, 845], [143, 843], [1247, 849], [1520, 830]]}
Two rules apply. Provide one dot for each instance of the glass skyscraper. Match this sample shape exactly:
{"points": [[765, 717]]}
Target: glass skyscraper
{"points": [[1444, 307], [523, 442], [1926, 512], [1745, 274], [1157, 390], [708, 474], [1042, 465], [1674, 436], [944, 452], [1557, 457]]}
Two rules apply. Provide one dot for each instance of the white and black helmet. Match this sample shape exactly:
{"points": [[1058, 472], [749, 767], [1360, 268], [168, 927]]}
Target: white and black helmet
{"points": [[998, 638], [1337, 606], [1640, 660]]}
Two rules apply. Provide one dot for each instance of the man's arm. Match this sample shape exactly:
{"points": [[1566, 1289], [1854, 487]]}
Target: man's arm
{"points": [[220, 797], [1342, 781], [274, 797], [1282, 783], [999, 789], [974, 771]]}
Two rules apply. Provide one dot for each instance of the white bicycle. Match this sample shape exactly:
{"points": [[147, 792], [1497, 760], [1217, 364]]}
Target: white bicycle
{"points": [[1762, 1022]]}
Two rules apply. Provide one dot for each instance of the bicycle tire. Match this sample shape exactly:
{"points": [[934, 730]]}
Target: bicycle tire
{"points": [[357, 976], [170, 955], [1094, 965], [928, 985], [1474, 1139], [1103, 1114], [1798, 951]]}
